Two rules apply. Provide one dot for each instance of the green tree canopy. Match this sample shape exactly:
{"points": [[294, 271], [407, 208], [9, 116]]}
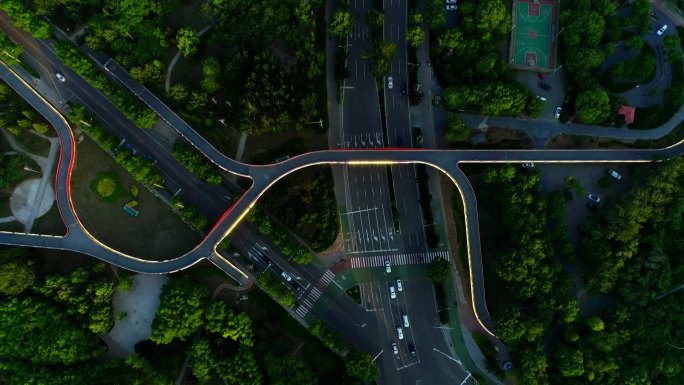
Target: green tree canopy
{"points": [[360, 365], [593, 106], [341, 23], [180, 312], [188, 41], [439, 270]]}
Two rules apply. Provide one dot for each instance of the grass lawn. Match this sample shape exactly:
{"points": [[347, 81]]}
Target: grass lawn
{"points": [[50, 223], [157, 233]]}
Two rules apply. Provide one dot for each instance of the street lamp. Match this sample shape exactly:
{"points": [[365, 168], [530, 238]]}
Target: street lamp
{"points": [[27, 168]]}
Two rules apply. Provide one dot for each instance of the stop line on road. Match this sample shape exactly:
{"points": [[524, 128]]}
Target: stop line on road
{"points": [[398, 259]]}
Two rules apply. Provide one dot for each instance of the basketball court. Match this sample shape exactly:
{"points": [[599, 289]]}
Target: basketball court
{"points": [[533, 43]]}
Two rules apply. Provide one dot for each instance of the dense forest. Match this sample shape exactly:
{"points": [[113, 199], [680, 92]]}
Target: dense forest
{"points": [[628, 258], [50, 318]]}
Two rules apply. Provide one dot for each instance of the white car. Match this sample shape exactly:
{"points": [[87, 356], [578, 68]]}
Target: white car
{"points": [[395, 348], [451, 7], [390, 82], [393, 293], [543, 99], [286, 276], [388, 268], [406, 320], [661, 30], [60, 77], [558, 112], [400, 333], [451, 1], [400, 287], [594, 198], [528, 165], [614, 174]]}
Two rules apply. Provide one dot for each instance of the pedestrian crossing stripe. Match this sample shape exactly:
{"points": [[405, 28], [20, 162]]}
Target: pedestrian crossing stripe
{"points": [[398, 259], [308, 301]]}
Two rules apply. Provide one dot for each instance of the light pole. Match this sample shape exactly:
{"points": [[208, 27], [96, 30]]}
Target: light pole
{"points": [[27, 168]]}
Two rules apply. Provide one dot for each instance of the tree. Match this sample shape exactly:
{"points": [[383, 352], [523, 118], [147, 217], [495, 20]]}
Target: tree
{"points": [[595, 324], [222, 320], [360, 365], [439, 270], [287, 371], [415, 36], [179, 92], [341, 23], [570, 361], [634, 42], [457, 129], [492, 18], [188, 41], [15, 277], [593, 106], [571, 183], [180, 312]]}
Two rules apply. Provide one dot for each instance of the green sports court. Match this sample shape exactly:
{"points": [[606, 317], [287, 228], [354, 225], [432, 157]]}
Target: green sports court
{"points": [[534, 31]]}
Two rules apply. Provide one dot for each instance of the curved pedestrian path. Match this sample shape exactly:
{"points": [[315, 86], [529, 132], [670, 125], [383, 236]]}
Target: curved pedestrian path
{"points": [[79, 239]]}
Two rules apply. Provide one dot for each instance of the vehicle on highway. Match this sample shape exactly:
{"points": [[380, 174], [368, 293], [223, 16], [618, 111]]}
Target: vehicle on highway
{"points": [[133, 150], [661, 30], [60, 77], [451, 1], [451, 7], [528, 165], [388, 268], [592, 206], [393, 292], [594, 198], [286, 276], [614, 174], [151, 158], [400, 333], [404, 318], [403, 89], [395, 348], [400, 287], [412, 349], [543, 99], [390, 82], [544, 86], [558, 112]]}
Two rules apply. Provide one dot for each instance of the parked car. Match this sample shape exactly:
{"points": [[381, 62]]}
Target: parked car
{"points": [[614, 174], [388, 268], [400, 333], [451, 7], [558, 112], [60, 77], [400, 287], [412, 349], [390, 82], [544, 86], [543, 99], [395, 348], [594, 198], [528, 165], [661, 30], [133, 150], [451, 1], [393, 293]]}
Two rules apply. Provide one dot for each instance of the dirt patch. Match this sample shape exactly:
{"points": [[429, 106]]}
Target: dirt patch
{"points": [[157, 233], [585, 142], [506, 137]]}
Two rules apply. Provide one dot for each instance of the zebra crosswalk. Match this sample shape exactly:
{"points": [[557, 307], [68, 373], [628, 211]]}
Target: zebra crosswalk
{"points": [[307, 301], [398, 259]]}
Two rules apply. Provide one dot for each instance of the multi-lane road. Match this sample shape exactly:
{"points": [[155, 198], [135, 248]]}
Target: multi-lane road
{"points": [[366, 159]]}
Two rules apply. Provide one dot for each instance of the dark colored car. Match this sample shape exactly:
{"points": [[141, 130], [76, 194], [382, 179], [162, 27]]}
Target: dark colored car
{"points": [[412, 349], [544, 86], [403, 88]]}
